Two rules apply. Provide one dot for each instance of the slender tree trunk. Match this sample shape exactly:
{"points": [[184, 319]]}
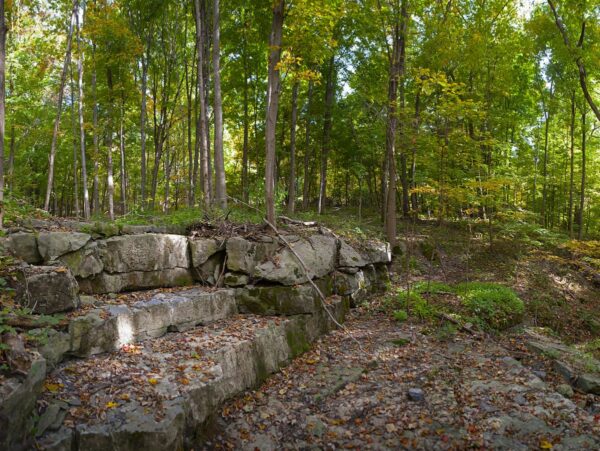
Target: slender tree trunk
{"points": [[571, 163], [123, 161], [110, 183], [403, 154], [413, 171], [190, 152], [3, 32], [583, 170], [307, 152], [11, 160], [292, 180], [545, 172], [96, 141], [143, 115], [61, 90], [245, 187], [204, 16], [201, 125], [577, 58], [75, 149], [84, 180], [220, 182], [272, 106], [327, 124]]}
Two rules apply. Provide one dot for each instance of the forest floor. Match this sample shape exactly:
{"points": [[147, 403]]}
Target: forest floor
{"points": [[427, 384], [406, 388]]}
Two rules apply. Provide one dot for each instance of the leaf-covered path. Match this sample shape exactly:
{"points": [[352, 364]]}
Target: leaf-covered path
{"points": [[404, 389]]}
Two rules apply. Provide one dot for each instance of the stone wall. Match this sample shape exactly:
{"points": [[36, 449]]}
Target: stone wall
{"points": [[55, 260]]}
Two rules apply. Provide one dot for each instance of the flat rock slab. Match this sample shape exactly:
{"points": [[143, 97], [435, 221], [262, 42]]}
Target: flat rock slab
{"points": [[476, 398], [158, 395]]}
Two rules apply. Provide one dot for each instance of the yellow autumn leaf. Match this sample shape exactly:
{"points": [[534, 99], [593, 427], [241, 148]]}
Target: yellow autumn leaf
{"points": [[111, 405], [545, 444], [153, 381], [52, 388]]}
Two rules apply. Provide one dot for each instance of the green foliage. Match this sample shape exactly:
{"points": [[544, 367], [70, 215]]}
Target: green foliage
{"points": [[497, 306], [400, 315]]}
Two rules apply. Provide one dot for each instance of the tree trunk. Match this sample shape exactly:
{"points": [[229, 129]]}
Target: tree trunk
{"points": [[123, 162], [545, 173], [96, 182], [143, 115], [188, 92], [307, 152], [201, 125], [571, 164], [272, 106], [3, 31], [220, 182], [583, 170], [327, 124], [577, 58], [110, 183], [292, 180], [84, 181], [245, 187], [61, 90], [75, 149]]}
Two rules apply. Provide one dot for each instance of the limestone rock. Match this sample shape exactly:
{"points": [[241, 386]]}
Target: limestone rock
{"points": [[24, 246], [589, 383], [17, 400], [47, 289], [283, 300], [377, 252], [136, 280], [244, 255], [203, 248], [318, 252], [149, 252], [85, 262], [235, 279], [350, 257], [52, 245]]}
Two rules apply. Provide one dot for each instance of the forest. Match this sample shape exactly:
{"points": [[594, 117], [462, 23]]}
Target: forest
{"points": [[444, 109], [299, 224]]}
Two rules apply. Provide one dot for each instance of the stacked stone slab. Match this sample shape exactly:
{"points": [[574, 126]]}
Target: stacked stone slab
{"points": [[152, 260], [261, 276]]}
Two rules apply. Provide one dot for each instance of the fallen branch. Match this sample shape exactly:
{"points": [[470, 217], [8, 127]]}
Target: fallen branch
{"points": [[460, 325], [298, 222], [33, 323]]}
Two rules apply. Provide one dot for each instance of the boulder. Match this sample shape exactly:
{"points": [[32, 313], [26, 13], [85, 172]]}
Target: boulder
{"points": [[148, 252], [47, 289], [52, 245], [24, 246], [283, 300], [589, 383], [17, 401], [377, 252], [203, 248], [236, 279], [85, 262], [244, 255], [318, 252], [136, 280], [350, 257]]}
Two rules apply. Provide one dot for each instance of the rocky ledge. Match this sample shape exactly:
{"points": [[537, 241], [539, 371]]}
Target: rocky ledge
{"points": [[181, 352], [53, 261]]}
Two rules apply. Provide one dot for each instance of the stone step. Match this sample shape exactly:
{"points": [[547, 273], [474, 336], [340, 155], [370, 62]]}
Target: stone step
{"points": [[159, 394], [111, 327]]}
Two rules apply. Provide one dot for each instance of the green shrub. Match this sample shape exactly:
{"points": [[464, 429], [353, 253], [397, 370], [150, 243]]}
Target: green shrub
{"points": [[432, 287], [497, 306], [400, 315]]}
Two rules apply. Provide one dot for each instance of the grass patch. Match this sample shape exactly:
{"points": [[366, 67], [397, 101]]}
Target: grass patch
{"points": [[497, 306]]}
